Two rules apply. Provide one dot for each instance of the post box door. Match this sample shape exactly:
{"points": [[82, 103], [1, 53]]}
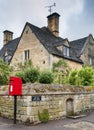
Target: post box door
{"points": [[15, 86]]}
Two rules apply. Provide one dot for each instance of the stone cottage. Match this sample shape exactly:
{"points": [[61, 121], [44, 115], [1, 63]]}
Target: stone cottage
{"points": [[44, 46]]}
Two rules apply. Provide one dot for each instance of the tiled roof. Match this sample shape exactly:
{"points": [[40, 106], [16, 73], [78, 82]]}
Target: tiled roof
{"points": [[78, 45], [48, 40], [10, 48]]}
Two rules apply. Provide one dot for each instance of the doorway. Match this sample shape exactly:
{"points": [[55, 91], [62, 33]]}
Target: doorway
{"points": [[69, 107]]}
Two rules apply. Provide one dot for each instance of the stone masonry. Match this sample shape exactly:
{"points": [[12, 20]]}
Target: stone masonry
{"points": [[59, 100], [42, 59]]}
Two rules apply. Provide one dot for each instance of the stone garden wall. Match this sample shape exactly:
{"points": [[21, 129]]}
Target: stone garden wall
{"points": [[59, 100]]}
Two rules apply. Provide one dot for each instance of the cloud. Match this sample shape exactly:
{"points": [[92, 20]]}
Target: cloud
{"points": [[70, 9], [14, 16], [15, 13], [80, 22]]}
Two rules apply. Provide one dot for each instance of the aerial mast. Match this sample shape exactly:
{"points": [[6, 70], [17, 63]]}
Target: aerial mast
{"points": [[50, 7]]}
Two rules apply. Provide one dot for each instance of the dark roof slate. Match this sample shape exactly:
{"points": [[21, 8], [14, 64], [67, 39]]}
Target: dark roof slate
{"points": [[50, 42], [78, 45], [10, 48]]}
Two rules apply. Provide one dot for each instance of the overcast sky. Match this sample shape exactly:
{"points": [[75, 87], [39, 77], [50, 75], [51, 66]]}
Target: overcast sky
{"points": [[76, 16]]}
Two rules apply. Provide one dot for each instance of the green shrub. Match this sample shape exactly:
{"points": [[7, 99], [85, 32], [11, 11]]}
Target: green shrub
{"points": [[86, 75], [3, 79], [29, 75], [5, 72], [61, 71], [25, 65], [22, 76], [27, 72], [32, 75], [60, 66], [46, 77], [44, 116], [73, 77]]}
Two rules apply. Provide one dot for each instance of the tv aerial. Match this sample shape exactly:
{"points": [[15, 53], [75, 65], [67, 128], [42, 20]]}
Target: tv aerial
{"points": [[50, 7]]}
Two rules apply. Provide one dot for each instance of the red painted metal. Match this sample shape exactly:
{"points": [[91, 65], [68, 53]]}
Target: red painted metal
{"points": [[15, 86]]}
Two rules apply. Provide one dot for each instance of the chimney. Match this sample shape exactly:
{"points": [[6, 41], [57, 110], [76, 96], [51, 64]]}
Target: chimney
{"points": [[8, 36], [53, 23]]}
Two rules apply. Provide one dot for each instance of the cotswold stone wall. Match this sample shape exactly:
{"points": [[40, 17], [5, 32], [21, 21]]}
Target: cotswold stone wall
{"points": [[59, 100]]}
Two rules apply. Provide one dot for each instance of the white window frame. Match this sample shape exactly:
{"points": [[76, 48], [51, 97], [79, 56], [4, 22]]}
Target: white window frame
{"points": [[91, 60], [65, 51]]}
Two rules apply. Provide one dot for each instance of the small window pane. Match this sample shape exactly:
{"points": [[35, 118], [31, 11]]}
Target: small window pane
{"points": [[27, 54], [7, 58], [65, 51], [90, 60]]}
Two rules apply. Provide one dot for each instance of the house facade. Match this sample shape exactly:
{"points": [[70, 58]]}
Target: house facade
{"points": [[84, 48], [43, 47]]}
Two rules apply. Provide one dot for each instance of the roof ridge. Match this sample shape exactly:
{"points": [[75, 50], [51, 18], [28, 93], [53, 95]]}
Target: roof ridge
{"points": [[47, 31], [49, 41], [33, 25], [79, 39]]}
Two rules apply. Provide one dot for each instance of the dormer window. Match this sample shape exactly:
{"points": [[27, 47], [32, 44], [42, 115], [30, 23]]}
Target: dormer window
{"points": [[7, 57], [65, 51]]}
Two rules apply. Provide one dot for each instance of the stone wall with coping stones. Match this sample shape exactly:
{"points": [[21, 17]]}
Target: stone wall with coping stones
{"points": [[53, 98]]}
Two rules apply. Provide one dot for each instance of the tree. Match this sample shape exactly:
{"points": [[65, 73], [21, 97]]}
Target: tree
{"points": [[32, 75], [5, 72], [27, 72], [61, 71], [73, 77], [85, 76], [46, 77]]}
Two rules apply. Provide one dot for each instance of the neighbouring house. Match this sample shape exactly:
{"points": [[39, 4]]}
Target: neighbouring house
{"points": [[44, 47], [84, 48]]}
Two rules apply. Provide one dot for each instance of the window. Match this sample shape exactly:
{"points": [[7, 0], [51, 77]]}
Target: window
{"points": [[91, 56], [44, 62], [7, 57], [91, 60], [65, 51], [27, 55]]}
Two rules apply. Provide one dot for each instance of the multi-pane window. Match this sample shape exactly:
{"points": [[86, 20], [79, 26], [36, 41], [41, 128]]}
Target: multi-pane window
{"points": [[65, 51], [27, 55]]}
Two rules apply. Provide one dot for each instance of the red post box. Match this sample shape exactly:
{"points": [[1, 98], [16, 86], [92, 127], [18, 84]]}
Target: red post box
{"points": [[15, 86]]}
